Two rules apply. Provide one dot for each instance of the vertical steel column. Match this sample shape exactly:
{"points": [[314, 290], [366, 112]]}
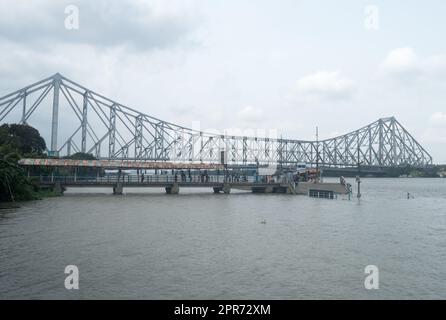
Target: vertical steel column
{"points": [[317, 152], [138, 137], [191, 146], [112, 132], [159, 141], [84, 123], [266, 150], [69, 148], [393, 133], [55, 118], [286, 158], [370, 146], [244, 151], [201, 146], [279, 152], [322, 156], [337, 151], [211, 153], [380, 142]]}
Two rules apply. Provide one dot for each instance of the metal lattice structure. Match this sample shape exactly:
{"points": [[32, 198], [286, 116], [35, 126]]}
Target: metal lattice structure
{"points": [[110, 130]]}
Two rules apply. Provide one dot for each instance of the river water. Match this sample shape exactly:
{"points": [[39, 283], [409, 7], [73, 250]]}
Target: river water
{"points": [[198, 245]]}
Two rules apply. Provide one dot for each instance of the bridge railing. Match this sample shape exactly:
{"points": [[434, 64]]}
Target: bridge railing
{"points": [[146, 179]]}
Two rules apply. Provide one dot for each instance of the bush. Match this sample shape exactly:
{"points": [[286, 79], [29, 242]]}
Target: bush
{"points": [[14, 185], [18, 140]]}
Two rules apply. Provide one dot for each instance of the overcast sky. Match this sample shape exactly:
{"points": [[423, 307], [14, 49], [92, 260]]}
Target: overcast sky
{"points": [[287, 65]]}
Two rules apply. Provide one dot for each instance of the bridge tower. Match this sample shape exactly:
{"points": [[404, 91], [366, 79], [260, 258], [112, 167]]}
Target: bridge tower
{"points": [[55, 118]]}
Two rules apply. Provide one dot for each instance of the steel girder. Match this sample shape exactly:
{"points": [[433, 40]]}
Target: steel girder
{"points": [[129, 134]]}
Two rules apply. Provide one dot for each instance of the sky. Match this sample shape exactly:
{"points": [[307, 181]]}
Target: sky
{"points": [[286, 65]]}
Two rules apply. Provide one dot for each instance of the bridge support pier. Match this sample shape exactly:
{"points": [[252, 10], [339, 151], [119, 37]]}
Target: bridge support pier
{"points": [[217, 189], [58, 188], [291, 189], [117, 189], [227, 189], [173, 189]]}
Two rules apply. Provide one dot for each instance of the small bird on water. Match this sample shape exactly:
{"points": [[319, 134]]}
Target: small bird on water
{"points": [[263, 221]]}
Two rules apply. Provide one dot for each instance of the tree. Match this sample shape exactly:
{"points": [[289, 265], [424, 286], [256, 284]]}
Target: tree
{"points": [[17, 140], [14, 185], [22, 137], [82, 156]]}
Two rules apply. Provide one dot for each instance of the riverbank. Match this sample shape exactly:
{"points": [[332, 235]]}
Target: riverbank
{"points": [[37, 195], [8, 205]]}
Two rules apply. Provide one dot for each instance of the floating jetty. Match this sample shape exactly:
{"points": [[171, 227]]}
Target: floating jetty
{"points": [[60, 174], [320, 190]]}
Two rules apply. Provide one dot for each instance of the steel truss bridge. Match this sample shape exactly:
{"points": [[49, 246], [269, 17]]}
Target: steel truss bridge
{"points": [[78, 119]]}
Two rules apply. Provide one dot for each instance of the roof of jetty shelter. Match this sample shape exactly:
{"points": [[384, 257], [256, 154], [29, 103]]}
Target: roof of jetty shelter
{"points": [[117, 164]]}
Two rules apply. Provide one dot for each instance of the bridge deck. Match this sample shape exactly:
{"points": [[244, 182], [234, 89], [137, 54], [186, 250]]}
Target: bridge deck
{"points": [[118, 164]]}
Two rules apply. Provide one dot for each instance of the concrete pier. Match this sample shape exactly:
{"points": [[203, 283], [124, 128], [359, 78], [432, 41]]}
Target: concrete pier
{"points": [[58, 188], [226, 188], [118, 188], [217, 189], [173, 189]]}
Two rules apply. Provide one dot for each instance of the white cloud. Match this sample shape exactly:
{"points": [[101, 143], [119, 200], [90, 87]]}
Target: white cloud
{"points": [[438, 119], [436, 135], [135, 24], [326, 85], [401, 61], [435, 65], [404, 64], [329, 135], [436, 131], [250, 114]]}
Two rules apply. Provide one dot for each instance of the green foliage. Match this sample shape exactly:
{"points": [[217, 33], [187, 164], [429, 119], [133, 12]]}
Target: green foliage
{"points": [[413, 172], [82, 156], [24, 138], [14, 185], [18, 140], [395, 172]]}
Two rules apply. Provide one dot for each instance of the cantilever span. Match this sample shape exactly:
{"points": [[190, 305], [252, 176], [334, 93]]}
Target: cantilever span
{"points": [[81, 120]]}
